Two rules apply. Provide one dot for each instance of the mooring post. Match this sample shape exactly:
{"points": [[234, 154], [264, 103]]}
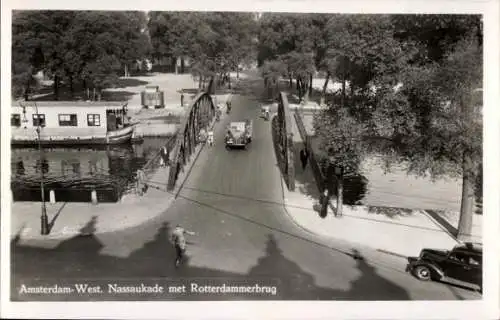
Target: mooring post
{"points": [[52, 196], [93, 196]]}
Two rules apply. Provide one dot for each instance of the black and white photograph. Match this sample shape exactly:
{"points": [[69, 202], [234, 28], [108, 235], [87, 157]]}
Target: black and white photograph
{"points": [[252, 155]]}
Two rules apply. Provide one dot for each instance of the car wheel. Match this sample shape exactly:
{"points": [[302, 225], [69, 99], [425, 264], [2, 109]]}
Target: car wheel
{"points": [[422, 273]]}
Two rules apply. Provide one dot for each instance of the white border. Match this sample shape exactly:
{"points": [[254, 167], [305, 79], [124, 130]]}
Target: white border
{"points": [[488, 308]]}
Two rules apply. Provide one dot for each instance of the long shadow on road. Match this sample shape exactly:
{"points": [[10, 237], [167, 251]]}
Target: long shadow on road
{"points": [[79, 259]]}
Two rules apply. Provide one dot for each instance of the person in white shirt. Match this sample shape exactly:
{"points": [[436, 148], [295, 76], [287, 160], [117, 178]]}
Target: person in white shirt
{"points": [[179, 242], [210, 138]]}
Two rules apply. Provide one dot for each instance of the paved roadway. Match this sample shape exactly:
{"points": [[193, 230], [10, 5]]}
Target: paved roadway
{"points": [[233, 200]]}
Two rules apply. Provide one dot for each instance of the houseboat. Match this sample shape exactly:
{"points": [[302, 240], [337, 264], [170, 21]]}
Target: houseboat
{"points": [[70, 123]]}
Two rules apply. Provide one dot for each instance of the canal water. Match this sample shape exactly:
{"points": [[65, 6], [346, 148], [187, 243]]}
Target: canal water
{"points": [[72, 173]]}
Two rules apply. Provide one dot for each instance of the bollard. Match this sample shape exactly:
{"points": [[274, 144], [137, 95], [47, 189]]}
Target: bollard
{"points": [[52, 196], [93, 196]]}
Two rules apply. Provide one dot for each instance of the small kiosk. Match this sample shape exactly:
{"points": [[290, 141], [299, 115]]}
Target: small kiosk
{"points": [[152, 97]]}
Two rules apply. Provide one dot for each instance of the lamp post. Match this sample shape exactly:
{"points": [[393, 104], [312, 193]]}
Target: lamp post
{"points": [[44, 219]]}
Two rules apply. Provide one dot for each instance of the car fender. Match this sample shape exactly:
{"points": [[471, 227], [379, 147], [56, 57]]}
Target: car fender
{"points": [[434, 269]]}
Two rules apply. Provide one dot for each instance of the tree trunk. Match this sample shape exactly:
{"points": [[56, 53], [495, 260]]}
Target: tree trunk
{"points": [[323, 92], [229, 81], [464, 231], [125, 70], [340, 195], [466, 206], [176, 66], [297, 84], [27, 90], [56, 87], [310, 84], [306, 86], [71, 89], [237, 72], [183, 65], [291, 82], [199, 82], [300, 88], [342, 98], [210, 89], [93, 95]]}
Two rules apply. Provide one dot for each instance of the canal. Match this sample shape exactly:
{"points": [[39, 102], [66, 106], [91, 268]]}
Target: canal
{"points": [[73, 172]]}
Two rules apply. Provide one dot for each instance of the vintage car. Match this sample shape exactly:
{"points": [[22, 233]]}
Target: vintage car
{"points": [[462, 265], [239, 134]]}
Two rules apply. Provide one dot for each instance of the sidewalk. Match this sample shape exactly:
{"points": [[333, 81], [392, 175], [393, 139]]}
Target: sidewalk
{"points": [[402, 232], [70, 219]]}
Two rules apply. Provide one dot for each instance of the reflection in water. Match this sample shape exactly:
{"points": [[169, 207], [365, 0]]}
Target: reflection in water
{"points": [[73, 172]]}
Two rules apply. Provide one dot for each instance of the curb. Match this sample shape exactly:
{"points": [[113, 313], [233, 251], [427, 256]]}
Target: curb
{"points": [[330, 204], [393, 253], [177, 190], [298, 225], [75, 233]]}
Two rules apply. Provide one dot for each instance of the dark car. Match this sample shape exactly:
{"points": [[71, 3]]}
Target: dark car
{"points": [[463, 265]]}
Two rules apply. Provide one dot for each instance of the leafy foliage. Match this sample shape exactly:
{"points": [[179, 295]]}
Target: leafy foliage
{"points": [[341, 142], [215, 42], [88, 46]]}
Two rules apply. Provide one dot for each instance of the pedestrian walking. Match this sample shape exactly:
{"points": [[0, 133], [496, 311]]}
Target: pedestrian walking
{"points": [[304, 156], [210, 138], [324, 203], [164, 157], [179, 241]]}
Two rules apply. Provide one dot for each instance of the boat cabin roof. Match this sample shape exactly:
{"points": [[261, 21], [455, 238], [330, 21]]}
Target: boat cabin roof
{"points": [[112, 104]]}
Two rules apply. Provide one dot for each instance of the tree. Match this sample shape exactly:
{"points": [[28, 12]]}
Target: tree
{"points": [[223, 40], [431, 122], [88, 46], [133, 32], [362, 49], [272, 72], [413, 75], [462, 75], [40, 34], [341, 146], [294, 39]]}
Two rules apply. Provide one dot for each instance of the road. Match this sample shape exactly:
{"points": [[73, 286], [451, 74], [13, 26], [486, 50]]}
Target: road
{"points": [[233, 200]]}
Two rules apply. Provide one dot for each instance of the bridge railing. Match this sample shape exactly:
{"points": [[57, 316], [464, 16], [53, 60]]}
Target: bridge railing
{"points": [[285, 138], [199, 115]]}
